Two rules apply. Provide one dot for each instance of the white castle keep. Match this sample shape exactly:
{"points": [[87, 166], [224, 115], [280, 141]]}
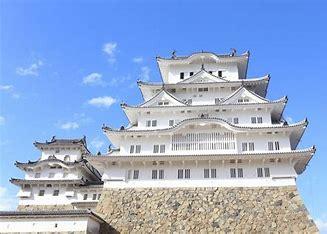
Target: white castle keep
{"points": [[205, 125]]}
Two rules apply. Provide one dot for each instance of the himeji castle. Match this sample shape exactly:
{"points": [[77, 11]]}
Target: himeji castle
{"points": [[206, 150]]}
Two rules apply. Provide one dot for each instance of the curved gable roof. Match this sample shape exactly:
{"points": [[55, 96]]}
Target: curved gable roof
{"points": [[163, 95], [243, 92]]}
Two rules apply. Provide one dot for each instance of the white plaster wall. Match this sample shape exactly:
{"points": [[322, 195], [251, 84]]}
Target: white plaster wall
{"points": [[74, 153], [58, 173], [112, 174], [260, 141], [61, 199], [64, 224], [163, 116], [229, 71]]}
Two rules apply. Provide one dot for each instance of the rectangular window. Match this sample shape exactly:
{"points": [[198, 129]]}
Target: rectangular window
{"points": [[156, 149], [171, 122], [131, 149], [235, 120], [240, 172], [154, 174], [94, 196], [253, 120], [37, 175], [99, 195], [206, 173], [161, 174], [189, 101], [148, 123], [244, 146], [51, 175], [217, 100], [270, 145], [55, 192], [210, 72], [240, 100], [136, 174], [181, 75], [191, 73], [138, 149], [154, 123], [213, 173], [162, 148], [41, 193], [160, 103], [233, 173], [220, 73], [85, 197], [180, 174], [259, 172], [267, 172], [57, 151], [251, 146], [259, 119], [276, 145], [187, 173]]}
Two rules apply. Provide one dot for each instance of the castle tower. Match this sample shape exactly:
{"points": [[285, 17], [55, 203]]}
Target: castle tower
{"points": [[205, 140], [61, 179]]}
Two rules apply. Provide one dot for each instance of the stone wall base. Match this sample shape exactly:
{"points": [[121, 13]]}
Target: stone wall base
{"points": [[270, 209]]}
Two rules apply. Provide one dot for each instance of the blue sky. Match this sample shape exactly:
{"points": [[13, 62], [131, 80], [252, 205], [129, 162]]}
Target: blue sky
{"points": [[65, 67]]}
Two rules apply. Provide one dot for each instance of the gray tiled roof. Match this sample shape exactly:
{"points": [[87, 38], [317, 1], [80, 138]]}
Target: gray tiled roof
{"points": [[57, 213]]}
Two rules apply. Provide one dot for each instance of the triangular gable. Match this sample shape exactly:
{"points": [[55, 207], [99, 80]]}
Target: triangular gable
{"points": [[163, 98], [242, 95], [203, 77]]}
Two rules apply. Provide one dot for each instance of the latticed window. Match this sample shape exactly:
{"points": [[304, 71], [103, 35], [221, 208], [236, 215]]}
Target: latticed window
{"points": [[56, 192], [154, 174], [180, 174], [259, 172], [213, 173], [251, 146], [161, 174], [267, 172], [203, 141], [240, 172], [187, 173], [206, 173], [138, 149], [233, 173], [136, 174]]}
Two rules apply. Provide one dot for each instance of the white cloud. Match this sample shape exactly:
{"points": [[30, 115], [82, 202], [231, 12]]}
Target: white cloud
{"points": [[322, 225], [6, 201], [69, 125], [93, 79], [32, 70], [110, 49], [105, 101], [289, 119], [145, 73], [2, 120], [97, 143], [6, 87], [114, 82], [9, 89], [138, 59]]}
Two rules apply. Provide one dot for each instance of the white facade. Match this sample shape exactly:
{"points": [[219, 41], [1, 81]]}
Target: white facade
{"points": [[205, 117], [49, 222]]}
